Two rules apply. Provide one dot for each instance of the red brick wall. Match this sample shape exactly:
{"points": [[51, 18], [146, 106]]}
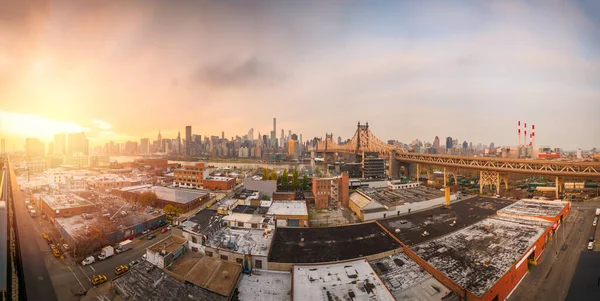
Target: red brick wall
{"points": [[284, 196], [219, 185]]}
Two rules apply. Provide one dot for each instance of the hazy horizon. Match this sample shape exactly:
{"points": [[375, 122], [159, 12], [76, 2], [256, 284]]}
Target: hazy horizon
{"points": [[469, 70]]}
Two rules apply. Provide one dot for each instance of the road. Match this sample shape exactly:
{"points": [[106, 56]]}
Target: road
{"points": [[550, 280], [34, 251]]}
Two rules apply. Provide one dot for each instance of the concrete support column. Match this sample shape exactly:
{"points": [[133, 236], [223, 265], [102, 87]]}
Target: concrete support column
{"points": [[498, 185], [455, 174], [418, 172], [428, 175], [557, 185]]}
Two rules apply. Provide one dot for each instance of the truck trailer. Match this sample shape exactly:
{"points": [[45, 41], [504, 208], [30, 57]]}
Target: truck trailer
{"points": [[124, 246], [107, 252]]}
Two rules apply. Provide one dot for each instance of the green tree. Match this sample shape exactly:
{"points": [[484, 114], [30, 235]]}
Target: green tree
{"points": [[295, 179], [265, 197], [147, 198], [273, 175], [305, 182], [265, 175], [285, 180]]}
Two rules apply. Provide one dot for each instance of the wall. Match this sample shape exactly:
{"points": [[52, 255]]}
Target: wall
{"points": [[236, 257], [284, 196], [218, 185], [303, 219]]}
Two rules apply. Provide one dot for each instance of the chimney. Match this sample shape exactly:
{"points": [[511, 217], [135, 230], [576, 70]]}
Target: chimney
{"points": [[525, 136], [532, 136], [519, 132]]}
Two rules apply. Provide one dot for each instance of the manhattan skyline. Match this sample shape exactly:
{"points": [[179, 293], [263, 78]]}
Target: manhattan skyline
{"points": [[412, 70]]}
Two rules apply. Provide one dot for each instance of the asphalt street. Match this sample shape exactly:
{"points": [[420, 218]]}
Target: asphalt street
{"points": [[34, 251], [550, 280]]}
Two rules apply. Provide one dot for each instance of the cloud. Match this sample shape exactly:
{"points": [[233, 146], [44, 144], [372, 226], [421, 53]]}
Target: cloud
{"points": [[250, 72], [103, 125]]}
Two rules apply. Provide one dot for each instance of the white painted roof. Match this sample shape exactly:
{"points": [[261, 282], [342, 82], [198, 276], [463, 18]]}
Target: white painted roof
{"points": [[288, 208]]}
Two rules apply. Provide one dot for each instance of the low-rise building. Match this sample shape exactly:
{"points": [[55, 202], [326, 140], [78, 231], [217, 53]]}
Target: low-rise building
{"points": [[200, 227], [266, 285], [339, 281], [376, 203], [234, 244], [76, 183], [65, 205], [190, 176], [218, 183], [289, 213], [163, 253], [185, 199], [331, 192], [265, 187]]}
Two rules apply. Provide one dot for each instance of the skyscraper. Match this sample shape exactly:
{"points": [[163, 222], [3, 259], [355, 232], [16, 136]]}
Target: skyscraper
{"points": [[436, 142], [2, 146], [160, 142], [251, 134], [60, 144], [178, 142], [448, 143], [145, 146], [34, 148], [77, 143], [188, 140]]}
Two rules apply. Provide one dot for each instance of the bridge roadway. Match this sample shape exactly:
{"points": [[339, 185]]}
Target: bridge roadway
{"points": [[537, 167], [34, 250]]}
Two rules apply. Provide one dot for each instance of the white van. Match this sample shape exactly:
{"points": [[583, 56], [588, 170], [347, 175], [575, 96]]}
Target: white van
{"points": [[29, 208], [595, 223], [591, 246]]}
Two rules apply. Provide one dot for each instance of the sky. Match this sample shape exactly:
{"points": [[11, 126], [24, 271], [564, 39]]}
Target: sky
{"points": [[122, 70]]}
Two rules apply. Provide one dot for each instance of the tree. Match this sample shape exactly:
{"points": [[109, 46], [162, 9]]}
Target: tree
{"points": [[147, 198], [265, 197], [285, 180], [169, 209], [265, 175], [273, 175], [295, 180], [305, 182]]}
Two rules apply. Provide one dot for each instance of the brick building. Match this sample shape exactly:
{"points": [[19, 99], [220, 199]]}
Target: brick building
{"points": [[64, 205], [218, 183], [184, 199], [330, 192], [289, 213], [190, 176]]}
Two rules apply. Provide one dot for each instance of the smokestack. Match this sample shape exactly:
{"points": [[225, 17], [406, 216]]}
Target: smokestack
{"points": [[532, 136], [519, 132], [525, 136]]}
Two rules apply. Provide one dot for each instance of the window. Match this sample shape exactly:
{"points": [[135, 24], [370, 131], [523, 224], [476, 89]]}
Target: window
{"points": [[240, 224], [194, 239], [208, 253], [293, 222], [255, 226], [258, 264], [194, 249], [239, 260], [224, 257]]}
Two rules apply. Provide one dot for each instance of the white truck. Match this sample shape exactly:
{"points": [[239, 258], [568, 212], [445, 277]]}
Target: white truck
{"points": [[124, 246], [597, 211], [107, 252], [33, 213]]}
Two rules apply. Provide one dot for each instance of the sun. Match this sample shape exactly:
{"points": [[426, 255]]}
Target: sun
{"points": [[28, 125]]}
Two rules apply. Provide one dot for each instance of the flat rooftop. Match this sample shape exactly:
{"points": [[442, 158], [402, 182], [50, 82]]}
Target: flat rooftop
{"points": [[242, 241], [476, 257], [169, 244], [244, 194], [65, 201], [175, 195], [534, 208], [246, 218], [436, 221], [314, 245], [146, 282], [259, 210], [391, 198], [265, 285], [205, 221], [340, 281], [584, 285], [216, 275], [407, 280], [288, 208], [220, 179]]}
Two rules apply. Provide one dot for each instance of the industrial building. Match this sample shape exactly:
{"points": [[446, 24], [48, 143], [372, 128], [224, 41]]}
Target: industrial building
{"points": [[289, 213], [200, 227], [328, 244], [265, 187], [486, 260], [163, 253], [406, 280], [218, 183], [265, 285], [190, 176], [331, 192], [185, 199], [65, 205], [234, 244], [373, 167], [376, 203], [146, 282], [339, 281]]}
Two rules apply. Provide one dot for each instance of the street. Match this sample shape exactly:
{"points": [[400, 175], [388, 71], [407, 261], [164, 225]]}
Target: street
{"points": [[550, 280]]}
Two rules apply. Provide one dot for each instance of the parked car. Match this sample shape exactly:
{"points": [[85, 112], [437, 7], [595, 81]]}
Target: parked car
{"points": [[145, 231], [164, 230], [591, 246], [151, 236], [88, 260], [56, 252], [45, 236], [121, 269], [98, 279], [134, 262], [591, 238]]}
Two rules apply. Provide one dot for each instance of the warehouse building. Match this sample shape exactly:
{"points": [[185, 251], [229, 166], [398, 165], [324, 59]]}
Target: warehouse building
{"points": [[185, 199], [289, 213], [200, 227], [65, 205]]}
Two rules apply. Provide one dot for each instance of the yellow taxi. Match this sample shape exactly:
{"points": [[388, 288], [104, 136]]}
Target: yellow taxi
{"points": [[45, 236], [98, 279], [121, 269], [56, 252]]}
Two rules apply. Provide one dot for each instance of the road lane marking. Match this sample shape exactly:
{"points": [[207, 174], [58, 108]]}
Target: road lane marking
{"points": [[86, 276], [76, 278], [91, 267]]}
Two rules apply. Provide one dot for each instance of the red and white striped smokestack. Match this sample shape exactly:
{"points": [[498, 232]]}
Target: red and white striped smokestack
{"points": [[525, 135], [532, 136], [519, 132]]}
